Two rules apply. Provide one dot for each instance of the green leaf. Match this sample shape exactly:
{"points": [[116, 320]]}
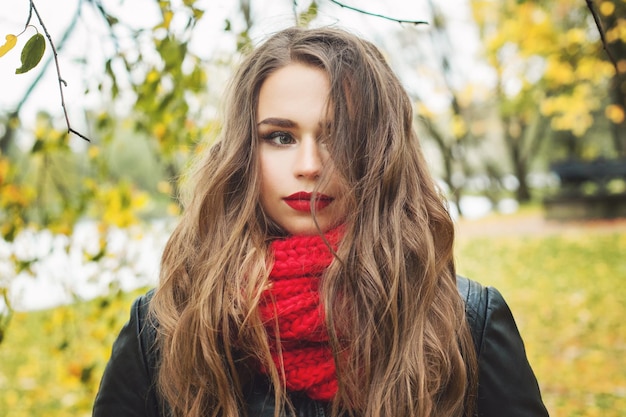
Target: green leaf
{"points": [[111, 20], [8, 45], [197, 13], [38, 146], [32, 53], [309, 15]]}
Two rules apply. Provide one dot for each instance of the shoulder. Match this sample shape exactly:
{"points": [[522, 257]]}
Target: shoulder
{"points": [[477, 296], [146, 328], [127, 384], [140, 330], [505, 378], [478, 300], [140, 309]]}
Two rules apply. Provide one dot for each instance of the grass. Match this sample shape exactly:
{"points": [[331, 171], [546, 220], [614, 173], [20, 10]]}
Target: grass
{"points": [[567, 293]]}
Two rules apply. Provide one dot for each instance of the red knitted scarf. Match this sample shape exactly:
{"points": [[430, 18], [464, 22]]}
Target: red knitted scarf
{"points": [[293, 299]]}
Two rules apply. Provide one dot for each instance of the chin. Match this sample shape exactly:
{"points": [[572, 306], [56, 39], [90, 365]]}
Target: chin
{"points": [[304, 231], [309, 228]]}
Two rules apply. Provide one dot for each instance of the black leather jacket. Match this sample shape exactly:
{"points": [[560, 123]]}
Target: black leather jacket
{"points": [[507, 386]]}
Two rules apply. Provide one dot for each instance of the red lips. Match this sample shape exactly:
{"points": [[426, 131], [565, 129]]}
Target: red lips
{"points": [[301, 201]]}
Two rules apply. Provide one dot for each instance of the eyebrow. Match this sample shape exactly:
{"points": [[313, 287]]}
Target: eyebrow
{"points": [[275, 121], [286, 123]]}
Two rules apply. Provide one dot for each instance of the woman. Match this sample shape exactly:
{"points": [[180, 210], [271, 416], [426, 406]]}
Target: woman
{"points": [[312, 270]]}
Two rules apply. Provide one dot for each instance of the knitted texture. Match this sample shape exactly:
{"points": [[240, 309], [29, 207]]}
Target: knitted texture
{"points": [[293, 300]]}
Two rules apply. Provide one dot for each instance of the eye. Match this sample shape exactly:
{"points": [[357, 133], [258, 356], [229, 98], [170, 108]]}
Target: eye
{"points": [[278, 138]]}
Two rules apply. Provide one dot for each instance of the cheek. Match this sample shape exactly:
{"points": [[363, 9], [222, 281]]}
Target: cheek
{"points": [[268, 176], [273, 166], [262, 179], [264, 171]]}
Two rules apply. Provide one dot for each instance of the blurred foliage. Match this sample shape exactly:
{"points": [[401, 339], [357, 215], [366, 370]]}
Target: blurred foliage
{"points": [[568, 295], [566, 292], [130, 170], [53, 360], [547, 53], [554, 80], [549, 90]]}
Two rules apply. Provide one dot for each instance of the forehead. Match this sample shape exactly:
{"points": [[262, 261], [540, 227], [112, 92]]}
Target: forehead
{"points": [[292, 92]]}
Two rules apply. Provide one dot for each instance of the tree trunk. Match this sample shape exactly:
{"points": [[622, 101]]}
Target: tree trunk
{"points": [[520, 170], [9, 134], [617, 87], [618, 97]]}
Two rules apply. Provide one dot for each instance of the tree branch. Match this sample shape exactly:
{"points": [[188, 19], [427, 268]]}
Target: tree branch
{"points": [[5, 313], [596, 19], [30, 15], [62, 82], [44, 67], [413, 22]]}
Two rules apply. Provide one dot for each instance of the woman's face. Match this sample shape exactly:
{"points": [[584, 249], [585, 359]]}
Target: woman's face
{"points": [[291, 115]]}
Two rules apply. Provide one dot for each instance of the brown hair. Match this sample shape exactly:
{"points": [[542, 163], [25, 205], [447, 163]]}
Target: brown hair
{"points": [[390, 295]]}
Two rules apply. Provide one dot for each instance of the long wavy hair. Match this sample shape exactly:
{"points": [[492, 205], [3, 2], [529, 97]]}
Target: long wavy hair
{"points": [[396, 321]]}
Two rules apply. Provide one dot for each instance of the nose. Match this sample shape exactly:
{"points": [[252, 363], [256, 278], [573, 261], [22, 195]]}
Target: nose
{"points": [[308, 162]]}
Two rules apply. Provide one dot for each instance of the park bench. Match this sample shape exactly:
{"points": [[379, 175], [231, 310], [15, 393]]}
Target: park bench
{"points": [[593, 189]]}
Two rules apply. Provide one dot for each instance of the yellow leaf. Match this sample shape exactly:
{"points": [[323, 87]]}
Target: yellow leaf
{"points": [[575, 36], [614, 113], [618, 32], [459, 128], [607, 8], [167, 19], [93, 152], [173, 209], [164, 187], [4, 170], [559, 72], [8, 45], [152, 76], [160, 130]]}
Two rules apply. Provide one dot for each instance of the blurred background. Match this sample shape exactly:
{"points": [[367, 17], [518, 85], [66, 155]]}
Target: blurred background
{"points": [[519, 107]]}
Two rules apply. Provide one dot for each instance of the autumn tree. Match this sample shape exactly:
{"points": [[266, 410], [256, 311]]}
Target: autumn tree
{"points": [[458, 128], [155, 92], [551, 77], [613, 20]]}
